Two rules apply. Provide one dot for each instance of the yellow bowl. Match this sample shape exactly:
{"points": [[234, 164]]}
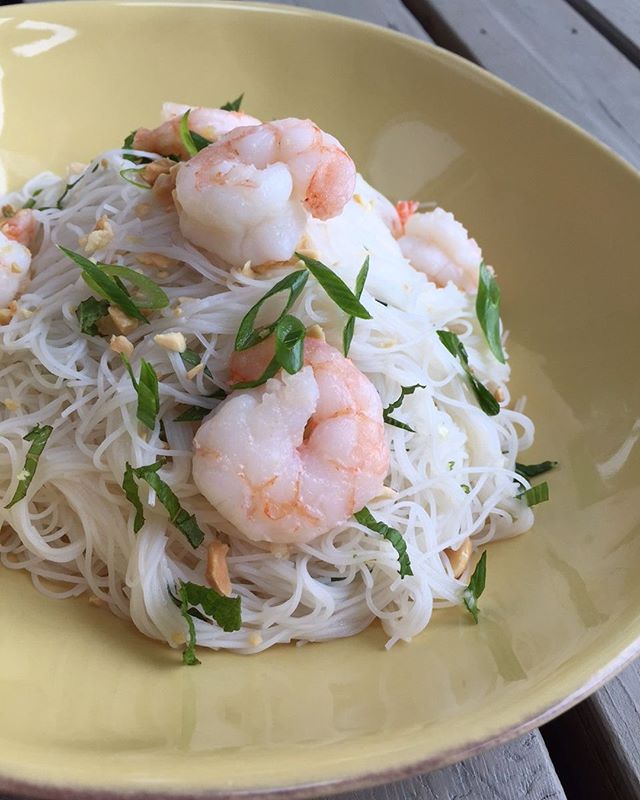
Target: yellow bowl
{"points": [[86, 702]]}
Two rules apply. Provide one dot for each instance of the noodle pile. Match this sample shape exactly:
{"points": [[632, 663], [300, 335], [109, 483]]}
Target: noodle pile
{"points": [[451, 479]]}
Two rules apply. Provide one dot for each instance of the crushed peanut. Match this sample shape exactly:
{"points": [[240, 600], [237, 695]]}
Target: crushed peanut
{"points": [[280, 551], [124, 324], [95, 601], [16, 269], [385, 493], [120, 344], [25, 313], [155, 260], [178, 638], [459, 558], [163, 188], [151, 172], [217, 572], [11, 405], [142, 210], [316, 332], [191, 374], [99, 237], [247, 271], [173, 341], [7, 314], [75, 168], [254, 639], [499, 394], [8, 210]]}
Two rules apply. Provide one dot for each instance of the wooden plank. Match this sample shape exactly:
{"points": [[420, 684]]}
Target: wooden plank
{"points": [[618, 20], [546, 49]]}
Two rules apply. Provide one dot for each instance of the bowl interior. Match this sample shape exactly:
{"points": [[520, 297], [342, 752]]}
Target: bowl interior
{"points": [[85, 700]]}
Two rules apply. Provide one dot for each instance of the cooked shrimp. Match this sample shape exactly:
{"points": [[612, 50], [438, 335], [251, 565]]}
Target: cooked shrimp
{"points": [[21, 227], [212, 123], [15, 260], [438, 245], [290, 460], [246, 197]]}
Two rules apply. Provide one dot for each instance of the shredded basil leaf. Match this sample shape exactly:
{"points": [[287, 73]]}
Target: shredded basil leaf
{"points": [[224, 610], [536, 494], [199, 141], [488, 310], [476, 587], [147, 390], [386, 413], [128, 142], [366, 518], [186, 523], [148, 295], [193, 414], [247, 336], [89, 312], [335, 287], [189, 656], [233, 105], [66, 191], [486, 400], [104, 286], [38, 437], [30, 203], [347, 333], [532, 470]]}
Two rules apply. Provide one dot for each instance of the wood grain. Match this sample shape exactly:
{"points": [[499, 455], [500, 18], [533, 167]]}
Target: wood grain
{"points": [[546, 49], [618, 20]]}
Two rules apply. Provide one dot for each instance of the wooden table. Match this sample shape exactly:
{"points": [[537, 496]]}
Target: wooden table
{"points": [[581, 58]]}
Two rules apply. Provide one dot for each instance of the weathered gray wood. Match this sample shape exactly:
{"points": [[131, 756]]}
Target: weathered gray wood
{"points": [[618, 20], [548, 50], [522, 771]]}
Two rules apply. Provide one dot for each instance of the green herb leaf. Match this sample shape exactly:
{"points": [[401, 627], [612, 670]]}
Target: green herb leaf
{"points": [[186, 523], [488, 310], [30, 203], [89, 312], [386, 413], [476, 587], [289, 334], [66, 191], [366, 518], [189, 653], [335, 287], [193, 414], [536, 494], [104, 286], [192, 141], [224, 610], [486, 400], [233, 105], [124, 173], [248, 337], [190, 359], [148, 294], [133, 496], [347, 333], [147, 390], [199, 141], [38, 437], [531, 470], [128, 142]]}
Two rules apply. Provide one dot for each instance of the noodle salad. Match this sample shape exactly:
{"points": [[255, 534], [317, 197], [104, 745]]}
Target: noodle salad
{"points": [[244, 398]]}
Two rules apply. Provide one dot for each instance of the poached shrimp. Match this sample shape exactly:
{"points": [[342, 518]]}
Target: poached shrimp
{"points": [[437, 244], [247, 196], [212, 123], [16, 233], [290, 460]]}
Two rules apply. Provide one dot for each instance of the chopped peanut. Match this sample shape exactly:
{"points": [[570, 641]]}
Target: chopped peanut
{"points": [[191, 374], [459, 558], [16, 269], [11, 405], [217, 573], [8, 210], [386, 493], [95, 601], [155, 260], [151, 172], [7, 314], [316, 332], [124, 324], [99, 237], [142, 210], [163, 188], [499, 394], [75, 168], [173, 341], [254, 639], [120, 344]]}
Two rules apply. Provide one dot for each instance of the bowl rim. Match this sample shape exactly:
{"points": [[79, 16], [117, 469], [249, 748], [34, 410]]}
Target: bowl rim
{"points": [[27, 788]]}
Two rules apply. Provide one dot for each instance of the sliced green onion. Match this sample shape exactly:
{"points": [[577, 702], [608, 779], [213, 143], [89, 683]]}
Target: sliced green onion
{"points": [[486, 400], [147, 390], [536, 494], [366, 518], [149, 294], [192, 141], [386, 413], [335, 287], [247, 336], [476, 587], [88, 312], [532, 470], [347, 333], [38, 437], [289, 335], [488, 310], [124, 173], [233, 105], [186, 523]]}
